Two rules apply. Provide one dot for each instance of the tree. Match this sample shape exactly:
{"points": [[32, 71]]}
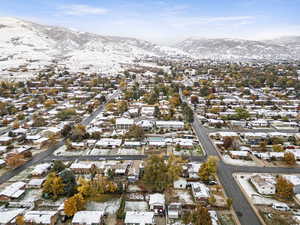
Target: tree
{"points": [[66, 114], [175, 101], [187, 113], [263, 146], [49, 103], [53, 186], [194, 99], [159, 175], [242, 113], [78, 132], [204, 91], [84, 187], [74, 204], [277, 148], [135, 132], [212, 200], [289, 158], [122, 106], [39, 121], [20, 220], [284, 188], [16, 124], [228, 142], [66, 130], [69, 181], [174, 168], [101, 185], [58, 166], [208, 169], [110, 107], [229, 202], [157, 113], [199, 216], [186, 92]]}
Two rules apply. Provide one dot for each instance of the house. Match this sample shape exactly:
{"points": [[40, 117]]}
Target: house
{"points": [[109, 143], [145, 124], [147, 111], [157, 203], [35, 183], [174, 210], [181, 183], [239, 155], [40, 217], [88, 218], [139, 218], [82, 167], [200, 192], [124, 123], [5, 140], [264, 184], [41, 170], [78, 146], [13, 191], [7, 216], [173, 125]]}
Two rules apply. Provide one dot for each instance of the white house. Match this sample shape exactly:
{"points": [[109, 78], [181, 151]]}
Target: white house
{"points": [[170, 124], [87, 218], [41, 217], [124, 123], [200, 191], [139, 218], [264, 184]]}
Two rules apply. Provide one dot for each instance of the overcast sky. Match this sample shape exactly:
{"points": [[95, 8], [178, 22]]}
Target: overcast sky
{"points": [[165, 21]]}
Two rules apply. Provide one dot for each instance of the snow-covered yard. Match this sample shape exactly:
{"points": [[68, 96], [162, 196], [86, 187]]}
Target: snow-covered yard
{"points": [[136, 206], [243, 180], [109, 207], [238, 162], [62, 151]]}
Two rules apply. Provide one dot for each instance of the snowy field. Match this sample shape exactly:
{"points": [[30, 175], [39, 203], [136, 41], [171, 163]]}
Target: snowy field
{"points": [[227, 159]]}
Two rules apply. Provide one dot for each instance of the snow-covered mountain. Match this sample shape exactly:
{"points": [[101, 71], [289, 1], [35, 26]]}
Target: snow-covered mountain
{"points": [[27, 46], [242, 49], [34, 45]]}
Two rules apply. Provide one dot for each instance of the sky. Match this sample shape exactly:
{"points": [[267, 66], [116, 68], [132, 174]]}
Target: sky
{"points": [[165, 21]]}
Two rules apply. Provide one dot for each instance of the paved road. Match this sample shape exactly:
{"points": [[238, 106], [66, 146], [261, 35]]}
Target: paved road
{"points": [[43, 155], [244, 210], [212, 130]]}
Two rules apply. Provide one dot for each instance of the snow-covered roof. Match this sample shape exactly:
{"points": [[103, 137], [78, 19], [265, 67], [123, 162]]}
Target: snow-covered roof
{"points": [[124, 121], [7, 215], [41, 168], [87, 217], [14, 190], [39, 217], [141, 218], [157, 198]]}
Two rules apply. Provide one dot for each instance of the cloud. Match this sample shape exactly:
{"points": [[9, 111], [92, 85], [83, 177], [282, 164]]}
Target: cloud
{"points": [[190, 21], [81, 10]]}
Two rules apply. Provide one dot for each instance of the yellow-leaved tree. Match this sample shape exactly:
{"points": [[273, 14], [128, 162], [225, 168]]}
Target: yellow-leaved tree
{"points": [[74, 204]]}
